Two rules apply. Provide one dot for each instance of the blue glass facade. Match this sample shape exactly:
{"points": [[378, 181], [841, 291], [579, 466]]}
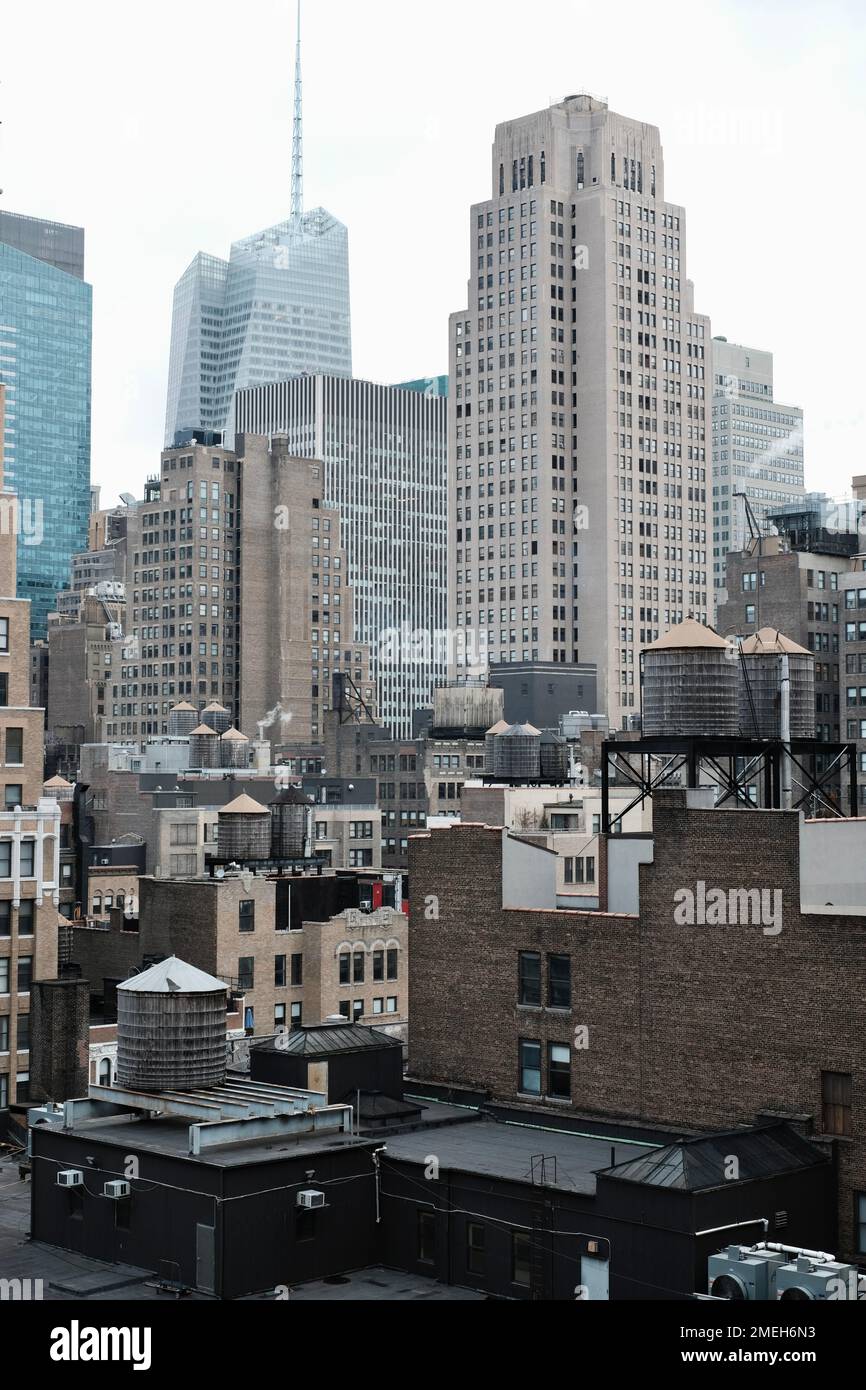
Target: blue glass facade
{"points": [[45, 364]]}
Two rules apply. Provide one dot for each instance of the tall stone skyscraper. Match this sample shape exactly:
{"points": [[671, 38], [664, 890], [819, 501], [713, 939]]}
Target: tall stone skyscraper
{"points": [[278, 307], [45, 365], [580, 384], [757, 449]]}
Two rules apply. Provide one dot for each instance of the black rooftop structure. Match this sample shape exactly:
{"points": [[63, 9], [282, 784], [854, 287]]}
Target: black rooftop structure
{"points": [[329, 1040], [699, 1165]]}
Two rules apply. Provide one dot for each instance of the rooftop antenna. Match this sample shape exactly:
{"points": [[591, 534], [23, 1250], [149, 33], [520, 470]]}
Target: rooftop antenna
{"points": [[298, 137]]}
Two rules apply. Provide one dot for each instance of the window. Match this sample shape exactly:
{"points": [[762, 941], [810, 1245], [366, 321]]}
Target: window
{"points": [[836, 1102], [358, 968], [22, 1086], [344, 1008], [247, 916], [14, 746], [345, 968], [26, 919], [279, 1017], [4, 1032], [280, 972], [4, 634], [4, 688], [391, 1006], [246, 973], [357, 1010], [521, 1251], [5, 858], [860, 1221], [25, 973], [297, 971], [392, 964], [378, 1006], [750, 614], [559, 1071], [297, 1017], [559, 982], [475, 1251], [589, 868], [426, 1238], [6, 918], [184, 865], [378, 965], [13, 795], [4, 1084], [529, 1081], [184, 834], [23, 1039], [529, 984], [28, 858], [4, 974]]}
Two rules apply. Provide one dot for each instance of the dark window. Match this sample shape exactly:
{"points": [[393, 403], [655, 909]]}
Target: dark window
{"points": [[357, 1010], [6, 918], [26, 919], [860, 1221], [521, 1250], [426, 1238], [836, 1102], [247, 916], [559, 982], [392, 964], [280, 971], [345, 1008], [297, 971], [529, 1081], [4, 688], [475, 1251], [529, 991], [23, 1033], [13, 795], [246, 973], [378, 965], [28, 858], [25, 973], [14, 746], [358, 968], [559, 1071], [345, 969]]}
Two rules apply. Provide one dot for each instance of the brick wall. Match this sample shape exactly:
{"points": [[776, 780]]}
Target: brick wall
{"points": [[698, 1026]]}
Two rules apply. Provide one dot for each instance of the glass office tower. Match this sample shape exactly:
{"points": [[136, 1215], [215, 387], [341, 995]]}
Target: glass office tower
{"points": [[45, 364], [279, 307]]}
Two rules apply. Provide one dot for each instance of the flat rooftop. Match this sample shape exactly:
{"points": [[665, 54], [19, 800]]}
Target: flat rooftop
{"points": [[506, 1150], [166, 1135]]}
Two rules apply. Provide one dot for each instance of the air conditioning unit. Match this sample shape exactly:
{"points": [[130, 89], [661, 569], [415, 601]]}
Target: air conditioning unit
{"points": [[808, 1280], [70, 1177], [117, 1189], [310, 1200], [741, 1274]]}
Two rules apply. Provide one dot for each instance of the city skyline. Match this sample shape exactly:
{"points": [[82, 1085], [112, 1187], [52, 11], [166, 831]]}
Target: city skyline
{"points": [[740, 130]]}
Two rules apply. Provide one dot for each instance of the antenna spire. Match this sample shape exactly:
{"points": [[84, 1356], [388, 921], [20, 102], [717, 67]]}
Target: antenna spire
{"points": [[298, 136]]}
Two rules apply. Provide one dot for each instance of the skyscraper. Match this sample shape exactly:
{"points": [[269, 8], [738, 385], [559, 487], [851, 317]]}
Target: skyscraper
{"points": [[578, 421], [757, 449], [278, 307], [383, 450], [45, 363]]}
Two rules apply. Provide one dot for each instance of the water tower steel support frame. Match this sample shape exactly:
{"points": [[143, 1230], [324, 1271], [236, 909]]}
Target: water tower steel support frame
{"points": [[734, 763]]}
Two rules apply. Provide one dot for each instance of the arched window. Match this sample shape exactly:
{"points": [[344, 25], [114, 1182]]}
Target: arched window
{"points": [[581, 169], [105, 1072], [97, 904]]}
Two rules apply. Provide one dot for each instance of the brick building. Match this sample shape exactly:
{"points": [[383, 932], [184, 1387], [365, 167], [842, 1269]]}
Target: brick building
{"points": [[631, 1015]]}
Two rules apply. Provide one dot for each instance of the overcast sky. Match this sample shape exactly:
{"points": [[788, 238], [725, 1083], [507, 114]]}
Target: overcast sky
{"points": [[165, 129]]}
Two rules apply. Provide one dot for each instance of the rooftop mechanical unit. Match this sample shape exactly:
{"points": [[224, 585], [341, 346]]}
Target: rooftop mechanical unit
{"points": [[311, 1200], [117, 1189], [70, 1177], [808, 1280], [741, 1274]]}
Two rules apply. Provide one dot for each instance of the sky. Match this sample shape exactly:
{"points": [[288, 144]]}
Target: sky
{"points": [[165, 129]]}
